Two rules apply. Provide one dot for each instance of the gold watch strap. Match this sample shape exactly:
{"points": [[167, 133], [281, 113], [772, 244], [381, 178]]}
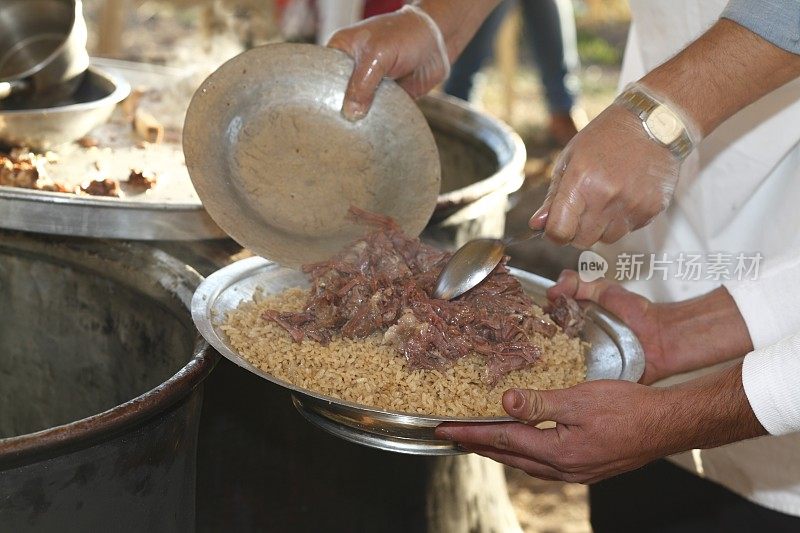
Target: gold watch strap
{"points": [[642, 105]]}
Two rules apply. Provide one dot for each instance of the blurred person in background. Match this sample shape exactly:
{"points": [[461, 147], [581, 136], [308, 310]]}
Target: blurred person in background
{"points": [[335, 14], [549, 28], [305, 20], [706, 131]]}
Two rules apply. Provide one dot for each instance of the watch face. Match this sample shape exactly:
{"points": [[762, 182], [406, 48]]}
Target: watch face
{"points": [[664, 125]]}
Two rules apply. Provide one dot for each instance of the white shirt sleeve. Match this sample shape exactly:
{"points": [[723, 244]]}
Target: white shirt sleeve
{"points": [[770, 306], [771, 379]]}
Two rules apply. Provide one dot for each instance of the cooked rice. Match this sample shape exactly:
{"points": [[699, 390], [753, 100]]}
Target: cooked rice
{"points": [[367, 372]]}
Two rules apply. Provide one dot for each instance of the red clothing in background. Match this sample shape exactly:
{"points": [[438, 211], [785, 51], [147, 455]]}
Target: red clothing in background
{"points": [[379, 7]]}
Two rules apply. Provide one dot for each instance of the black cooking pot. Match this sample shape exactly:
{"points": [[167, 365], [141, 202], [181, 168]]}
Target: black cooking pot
{"points": [[100, 387]]}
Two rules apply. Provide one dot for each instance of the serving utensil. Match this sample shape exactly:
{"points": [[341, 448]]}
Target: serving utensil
{"points": [[170, 211], [473, 262]]}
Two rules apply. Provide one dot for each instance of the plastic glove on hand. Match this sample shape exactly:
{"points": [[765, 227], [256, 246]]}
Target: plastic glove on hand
{"points": [[611, 179], [406, 46]]}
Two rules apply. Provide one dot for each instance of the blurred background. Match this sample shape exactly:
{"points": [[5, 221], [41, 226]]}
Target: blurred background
{"points": [[187, 33], [198, 35]]}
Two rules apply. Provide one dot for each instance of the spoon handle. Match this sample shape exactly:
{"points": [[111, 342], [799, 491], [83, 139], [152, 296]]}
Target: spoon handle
{"points": [[523, 236]]}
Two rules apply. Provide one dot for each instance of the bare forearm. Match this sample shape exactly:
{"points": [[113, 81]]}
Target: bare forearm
{"points": [[722, 72], [708, 412], [605, 428], [703, 331], [458, 20]]}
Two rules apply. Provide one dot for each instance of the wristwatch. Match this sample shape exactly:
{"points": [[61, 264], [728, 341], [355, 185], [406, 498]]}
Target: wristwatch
{"points": [[661, 123]]}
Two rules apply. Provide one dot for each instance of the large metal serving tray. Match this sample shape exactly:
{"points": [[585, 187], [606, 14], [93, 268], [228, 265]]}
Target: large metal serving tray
{"points": [[170, 211], [615, 354]]}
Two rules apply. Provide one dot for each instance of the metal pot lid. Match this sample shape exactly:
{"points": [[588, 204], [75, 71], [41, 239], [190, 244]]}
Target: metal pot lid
{"points": [[277, 166]]}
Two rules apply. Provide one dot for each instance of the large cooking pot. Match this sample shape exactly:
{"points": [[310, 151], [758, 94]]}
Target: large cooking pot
{"points": [[42, 48], [100, 387], [483, 162]]}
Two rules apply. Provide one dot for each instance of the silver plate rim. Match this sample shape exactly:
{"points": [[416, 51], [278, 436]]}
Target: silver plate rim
{"points": [[388, 443]]}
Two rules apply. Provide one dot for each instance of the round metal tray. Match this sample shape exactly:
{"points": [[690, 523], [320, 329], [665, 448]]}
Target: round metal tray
{"points": [[169, 211], [615, 353]]}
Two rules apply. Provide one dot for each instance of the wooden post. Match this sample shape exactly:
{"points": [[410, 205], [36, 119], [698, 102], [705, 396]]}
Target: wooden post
{"points": [[112, 24], [468, 493], [507, 54]]}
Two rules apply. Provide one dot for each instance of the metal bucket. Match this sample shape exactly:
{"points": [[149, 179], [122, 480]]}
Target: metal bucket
{"points": [[483, 162], [100, 387]]}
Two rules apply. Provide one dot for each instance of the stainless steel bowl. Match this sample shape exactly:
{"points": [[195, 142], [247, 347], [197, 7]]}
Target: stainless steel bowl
{"points": [[42, 48], [615, 354], [69, 119]]}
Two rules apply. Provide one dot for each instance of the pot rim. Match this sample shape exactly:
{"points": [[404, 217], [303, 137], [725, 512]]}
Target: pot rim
{"points": [[121, 89], [64, 438], [506, 144]]}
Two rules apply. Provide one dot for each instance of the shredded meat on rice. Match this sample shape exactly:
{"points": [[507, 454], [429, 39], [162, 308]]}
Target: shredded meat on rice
{"points": [[383, 283]]}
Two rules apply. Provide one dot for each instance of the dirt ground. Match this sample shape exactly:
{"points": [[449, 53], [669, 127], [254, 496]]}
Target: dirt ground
{"points": [[547, 506], [189, 33]]}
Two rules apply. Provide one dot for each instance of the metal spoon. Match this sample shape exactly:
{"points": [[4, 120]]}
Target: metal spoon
{"points": [[473, 262]]}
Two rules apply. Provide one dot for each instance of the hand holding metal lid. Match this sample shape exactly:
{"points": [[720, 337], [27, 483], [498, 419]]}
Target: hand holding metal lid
{"points": [[406, 46]]}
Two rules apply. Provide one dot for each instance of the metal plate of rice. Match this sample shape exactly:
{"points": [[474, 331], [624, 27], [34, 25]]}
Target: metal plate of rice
{"points": [[226, 308]]}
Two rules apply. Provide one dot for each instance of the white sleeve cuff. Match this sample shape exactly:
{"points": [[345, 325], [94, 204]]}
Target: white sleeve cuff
{"points": [[771, 379], [770, 305]]}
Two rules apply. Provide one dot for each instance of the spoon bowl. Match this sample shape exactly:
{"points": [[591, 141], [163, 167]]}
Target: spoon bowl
{"points": [[473, 262], [470, 265]]}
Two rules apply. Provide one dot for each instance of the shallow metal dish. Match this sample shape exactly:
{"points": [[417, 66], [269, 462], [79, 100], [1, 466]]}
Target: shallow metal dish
{"points": [[66, 120], [615, 354], [277, 166]]}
